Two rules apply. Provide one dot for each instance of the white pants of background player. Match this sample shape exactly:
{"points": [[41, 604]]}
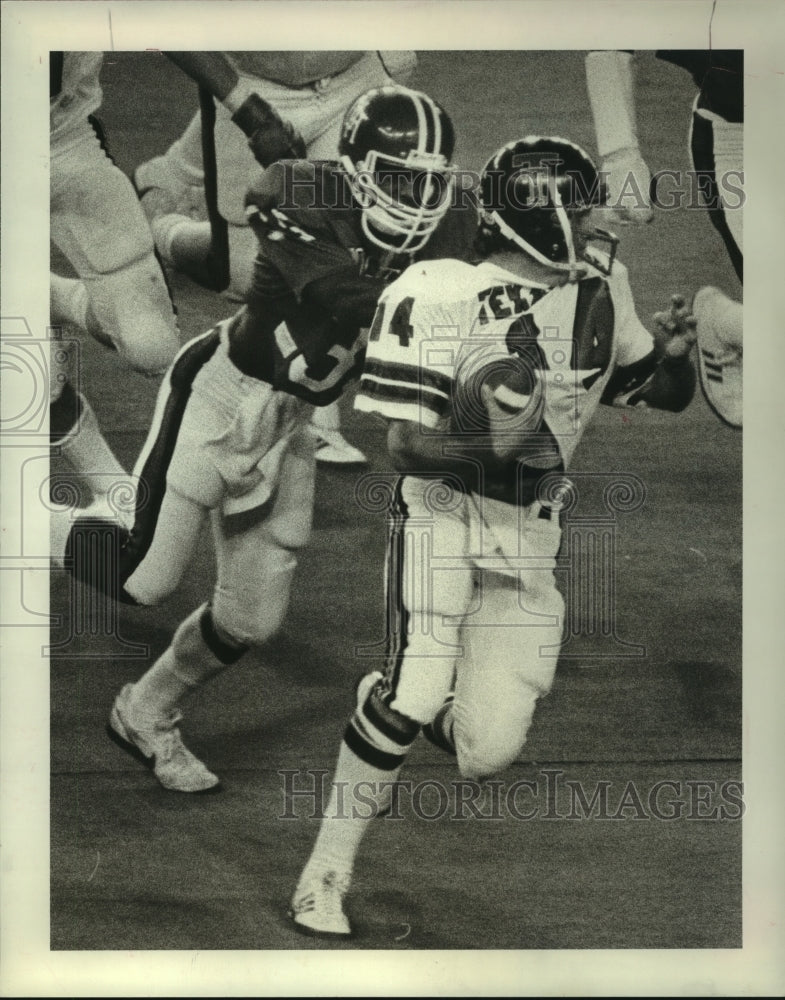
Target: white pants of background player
{"points": [[99, 226], [121, 297], [474, 581]]}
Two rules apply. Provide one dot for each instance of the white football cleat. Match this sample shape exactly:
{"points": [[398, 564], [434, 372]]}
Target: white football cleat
{"points": [[332, 448], [158, 745], [720, 354], [317, 904]]}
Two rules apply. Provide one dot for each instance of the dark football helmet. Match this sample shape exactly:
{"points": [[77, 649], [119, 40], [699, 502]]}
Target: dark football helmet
{"points": [[396, 145], [534, 191]]}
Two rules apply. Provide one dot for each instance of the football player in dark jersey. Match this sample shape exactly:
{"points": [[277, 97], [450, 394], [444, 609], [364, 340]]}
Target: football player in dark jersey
{"points": [[311, 90], [716, 152], [231, 439]]}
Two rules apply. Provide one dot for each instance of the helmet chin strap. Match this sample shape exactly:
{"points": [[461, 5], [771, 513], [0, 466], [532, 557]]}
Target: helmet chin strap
{"points": [[566, 228]]}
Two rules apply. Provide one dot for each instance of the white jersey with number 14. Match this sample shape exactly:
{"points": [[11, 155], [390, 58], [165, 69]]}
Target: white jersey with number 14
{"points": [[437, 312]]}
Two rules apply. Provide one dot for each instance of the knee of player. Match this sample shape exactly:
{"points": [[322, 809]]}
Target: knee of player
{"points": [[477, 762], [484, 752], [249, 629], [254, 614], [150, 590], [148, 349], [133, 312], [378, 734]]}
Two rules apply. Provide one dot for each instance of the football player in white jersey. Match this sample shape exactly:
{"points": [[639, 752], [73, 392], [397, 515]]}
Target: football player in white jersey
{"points": [[120, 296], [487, 375]]}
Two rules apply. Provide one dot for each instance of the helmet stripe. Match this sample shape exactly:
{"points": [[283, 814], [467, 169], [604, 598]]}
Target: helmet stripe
{"points": [[437, 126], [429, 124], [422, 124]]}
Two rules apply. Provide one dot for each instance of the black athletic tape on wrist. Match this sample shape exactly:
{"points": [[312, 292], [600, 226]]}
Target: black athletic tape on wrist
{"points": [[252, 114]]}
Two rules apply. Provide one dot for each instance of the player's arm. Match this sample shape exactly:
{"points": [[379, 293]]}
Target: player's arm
{"points": [[408, 377], [415, 450], [269, 137], [322, 274], [351, 301], [610, 84], [665, 377]]}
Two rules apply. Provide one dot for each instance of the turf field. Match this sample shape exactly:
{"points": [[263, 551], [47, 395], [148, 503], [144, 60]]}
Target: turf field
{"points": [[135, 867]]}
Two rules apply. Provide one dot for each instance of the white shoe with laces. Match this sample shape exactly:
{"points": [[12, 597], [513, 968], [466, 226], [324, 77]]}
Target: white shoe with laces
{"points": [[158, 745], [317, 904]]}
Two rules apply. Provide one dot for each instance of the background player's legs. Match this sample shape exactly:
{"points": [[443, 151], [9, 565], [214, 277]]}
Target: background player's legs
{"points": [[179, 172], [73, 428], [98, 224], [717, 153], [121, 299]]}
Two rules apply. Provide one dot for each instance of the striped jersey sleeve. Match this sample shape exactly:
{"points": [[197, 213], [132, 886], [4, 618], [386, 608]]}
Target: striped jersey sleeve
{"points": [[414, 341]]}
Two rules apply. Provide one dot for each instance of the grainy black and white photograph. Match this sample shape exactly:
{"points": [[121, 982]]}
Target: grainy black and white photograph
{"points": [[374, 501]]}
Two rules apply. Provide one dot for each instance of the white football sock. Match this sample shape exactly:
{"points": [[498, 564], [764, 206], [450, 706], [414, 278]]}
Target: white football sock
{"points": [[343, 825], [188, 663], [185, 153], [327, 418]]}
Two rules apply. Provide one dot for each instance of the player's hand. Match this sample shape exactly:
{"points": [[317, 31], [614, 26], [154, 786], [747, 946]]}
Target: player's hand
{"points": [[629, 180], [513, 416], [676, 328], [270, 138]]}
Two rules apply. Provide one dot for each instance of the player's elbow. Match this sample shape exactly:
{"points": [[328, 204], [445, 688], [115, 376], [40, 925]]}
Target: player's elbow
{"points": [[402, 446]]}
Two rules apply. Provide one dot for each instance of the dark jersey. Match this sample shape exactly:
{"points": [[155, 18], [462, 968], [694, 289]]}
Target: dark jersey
{"points": [[317, 280], [718, 75]]}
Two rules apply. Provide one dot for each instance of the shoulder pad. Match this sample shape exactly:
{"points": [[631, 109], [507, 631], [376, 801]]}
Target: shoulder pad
{"points": [[444, 280]]}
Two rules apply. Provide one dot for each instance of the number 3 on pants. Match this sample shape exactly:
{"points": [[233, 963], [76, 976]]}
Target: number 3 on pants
{"points": [[345, 359]]}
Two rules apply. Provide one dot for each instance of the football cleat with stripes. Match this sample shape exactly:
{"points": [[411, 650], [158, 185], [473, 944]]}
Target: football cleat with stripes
{"points": [[157, 744], [720, 356], [317, 904]]}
